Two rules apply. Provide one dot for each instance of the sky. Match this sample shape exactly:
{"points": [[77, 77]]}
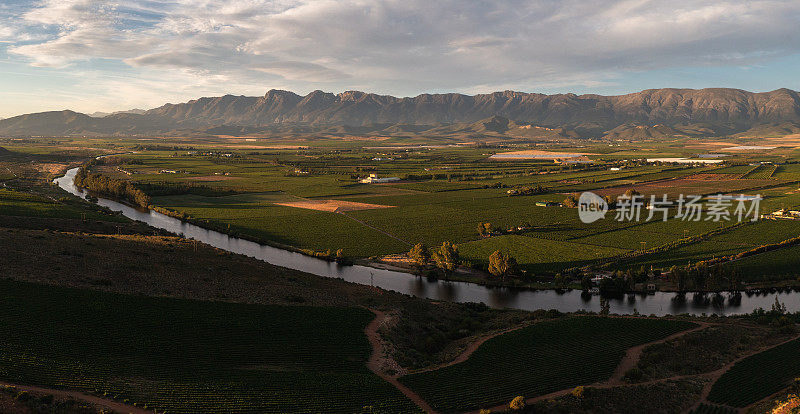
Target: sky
{"points": [[91, 55]]}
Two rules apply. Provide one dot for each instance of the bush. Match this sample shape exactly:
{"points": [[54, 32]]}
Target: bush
{"points": [[633, 375], [578, 391], [517, 403]]}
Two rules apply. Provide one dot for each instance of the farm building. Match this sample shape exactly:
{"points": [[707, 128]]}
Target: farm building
{"points": [[783, 214], [373, 178]]}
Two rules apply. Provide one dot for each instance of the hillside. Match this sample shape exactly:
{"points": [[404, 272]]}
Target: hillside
{"points": [[718, 110]]}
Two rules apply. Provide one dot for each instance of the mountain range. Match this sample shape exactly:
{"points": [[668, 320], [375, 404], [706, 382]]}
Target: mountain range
{"points": [[652, 113]]}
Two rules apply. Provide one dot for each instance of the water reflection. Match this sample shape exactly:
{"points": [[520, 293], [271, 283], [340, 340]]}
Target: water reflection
{"points": [[659, 303]]}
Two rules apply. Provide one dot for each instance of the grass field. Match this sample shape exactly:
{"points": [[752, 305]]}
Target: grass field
{"points": [[536, 360], [758, 376], [184, 356], [535, 254]]}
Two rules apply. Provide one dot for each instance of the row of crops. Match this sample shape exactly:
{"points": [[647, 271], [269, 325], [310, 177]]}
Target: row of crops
{"points": [[190, 356], [759, 376], [537, 360], [763, 171], [712, 409]]}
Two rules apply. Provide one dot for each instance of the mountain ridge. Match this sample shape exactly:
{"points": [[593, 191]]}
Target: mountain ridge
{"points": [[590, 114]]}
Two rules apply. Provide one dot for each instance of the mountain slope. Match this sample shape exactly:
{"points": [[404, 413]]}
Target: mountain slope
{"points": [[715, 109]]}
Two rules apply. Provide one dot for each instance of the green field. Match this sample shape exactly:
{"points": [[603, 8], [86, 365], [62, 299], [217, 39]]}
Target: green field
{"points": [[758, 376], [773, 265], [184, 356], [537, 255], [256, 215], [761, 172], [17, 203], [537, 360], [727, 243]]}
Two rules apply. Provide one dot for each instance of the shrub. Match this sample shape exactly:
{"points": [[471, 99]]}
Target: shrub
{"points": [[517, 403], [578, 391]]}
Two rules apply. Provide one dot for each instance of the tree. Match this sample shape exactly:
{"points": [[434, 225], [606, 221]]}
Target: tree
{"points": [[632, 192], [586, 283], [446, 257], [778, 307], [501, 264], [571, 202], [559, 280], [699, 278], [610, 201], [605, 307], [419, 254], [679, 276], [485, 229], [517, 403]]}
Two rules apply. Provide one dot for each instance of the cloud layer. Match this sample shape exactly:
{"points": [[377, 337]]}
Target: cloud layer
{"points": [[397, 46]]}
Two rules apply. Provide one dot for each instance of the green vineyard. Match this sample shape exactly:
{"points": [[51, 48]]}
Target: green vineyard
{"points": [[537, 360], [759, 376], [183, 356]]}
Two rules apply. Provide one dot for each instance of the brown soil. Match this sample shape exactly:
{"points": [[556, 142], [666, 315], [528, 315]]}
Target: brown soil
{"points": [[332, 206], [51, 168]]}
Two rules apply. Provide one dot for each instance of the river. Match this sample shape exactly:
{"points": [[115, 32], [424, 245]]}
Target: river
{"points": [[660, 303]]}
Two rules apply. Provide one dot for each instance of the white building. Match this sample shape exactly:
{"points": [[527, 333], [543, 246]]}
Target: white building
{"points": [[373, 178]]}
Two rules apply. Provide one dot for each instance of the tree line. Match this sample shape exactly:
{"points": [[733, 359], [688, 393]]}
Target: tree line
{"points": [[446, 258], [102, 184]]}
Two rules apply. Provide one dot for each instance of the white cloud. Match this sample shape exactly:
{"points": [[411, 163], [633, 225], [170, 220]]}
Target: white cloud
{"points": [[402, 45]]}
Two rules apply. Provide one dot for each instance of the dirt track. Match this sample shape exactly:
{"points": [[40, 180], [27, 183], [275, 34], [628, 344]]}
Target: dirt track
{"points": [[75, 395], [375, 362]]}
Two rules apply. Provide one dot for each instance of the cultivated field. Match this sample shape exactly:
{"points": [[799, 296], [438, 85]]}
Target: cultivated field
{"points": [[191, 357], [758, 376], [537, 360], [308, 197]]}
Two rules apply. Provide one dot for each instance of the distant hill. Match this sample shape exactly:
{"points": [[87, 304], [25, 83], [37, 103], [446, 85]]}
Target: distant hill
{"points": [[104, 114], [650, 113], [642, 132], [773, 129]]}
